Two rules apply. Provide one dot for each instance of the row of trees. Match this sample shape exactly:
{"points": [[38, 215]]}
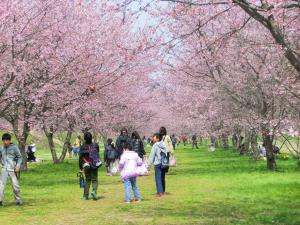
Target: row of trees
{"points": [[233, 67], [70, 66]]}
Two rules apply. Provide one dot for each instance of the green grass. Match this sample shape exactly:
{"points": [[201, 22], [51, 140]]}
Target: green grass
{"points": [[206, 188]]}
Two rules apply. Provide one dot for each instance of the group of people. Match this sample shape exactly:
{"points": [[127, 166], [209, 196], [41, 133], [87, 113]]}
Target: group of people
{"points": [[74, 150], [112, 153], [128, 154], [263, 151]]}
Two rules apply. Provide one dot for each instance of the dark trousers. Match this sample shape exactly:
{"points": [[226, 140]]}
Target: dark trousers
{"points": [[160, 179], [91, 177], [195, 145]]}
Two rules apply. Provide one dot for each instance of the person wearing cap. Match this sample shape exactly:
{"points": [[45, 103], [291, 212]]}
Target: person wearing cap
{"points": [[11, 160]]}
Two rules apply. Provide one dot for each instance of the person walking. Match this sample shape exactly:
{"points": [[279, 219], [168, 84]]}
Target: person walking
{"points": [[129, 163], [195, 141], [137, 144], [174, 141], [89, 162], [11, 160]]}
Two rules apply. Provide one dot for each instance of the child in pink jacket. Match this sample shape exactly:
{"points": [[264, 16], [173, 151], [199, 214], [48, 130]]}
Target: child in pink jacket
{"points": [[129, 163]]}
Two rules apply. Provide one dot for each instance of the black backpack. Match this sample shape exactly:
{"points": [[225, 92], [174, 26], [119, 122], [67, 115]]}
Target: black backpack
{"points": [[94, 158], [165, 160], [111, 153]]}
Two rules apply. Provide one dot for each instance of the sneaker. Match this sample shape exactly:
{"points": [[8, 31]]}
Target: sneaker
{"points": [[127, 202], [137, 201], [94, 195], [85, 197], [108, 174], [158, 195]]}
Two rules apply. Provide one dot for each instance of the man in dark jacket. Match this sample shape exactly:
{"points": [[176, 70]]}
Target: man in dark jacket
{"points": [[194, 141], [91, 174], [122, 140], [137, 144]]}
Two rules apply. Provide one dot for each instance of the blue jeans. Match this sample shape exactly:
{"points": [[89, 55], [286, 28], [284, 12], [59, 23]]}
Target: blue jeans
{"points": [[75, 151], [131, 182], [160, 175]]}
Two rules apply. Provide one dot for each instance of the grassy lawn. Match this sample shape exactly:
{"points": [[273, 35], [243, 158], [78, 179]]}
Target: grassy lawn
{"points": [[205, 187]]}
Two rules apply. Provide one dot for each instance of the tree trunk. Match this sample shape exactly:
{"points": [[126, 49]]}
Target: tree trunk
{"points": [[254, 146], [51, 143], [268, 142], [235, 140], [225, 141], [247, 142], [65, 147], [200, 140], [22, 138], [213, 140], [49, 135]]}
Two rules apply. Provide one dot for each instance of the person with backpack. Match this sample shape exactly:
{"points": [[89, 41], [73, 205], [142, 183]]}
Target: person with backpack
{"points": [[11, 160], [89, 163], [137, 144], [159, 156], [122, 140], [129, 163], [110, 155]]}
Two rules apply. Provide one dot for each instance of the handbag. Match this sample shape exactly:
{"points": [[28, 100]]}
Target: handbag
{"points": [[142, 170], [172, 161], [114, 169], [81, 180]]}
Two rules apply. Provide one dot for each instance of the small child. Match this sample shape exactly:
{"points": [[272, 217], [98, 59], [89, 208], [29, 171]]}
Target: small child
{"points": [[129, 163], [110, 155]]}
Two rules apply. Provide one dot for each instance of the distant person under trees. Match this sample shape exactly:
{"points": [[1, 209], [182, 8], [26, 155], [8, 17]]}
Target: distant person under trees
{"points": [[137, 144], [184, 140], [194, 141], [263, 152], [76, 146], [122, 140], [174, 141], [31, 149]]}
